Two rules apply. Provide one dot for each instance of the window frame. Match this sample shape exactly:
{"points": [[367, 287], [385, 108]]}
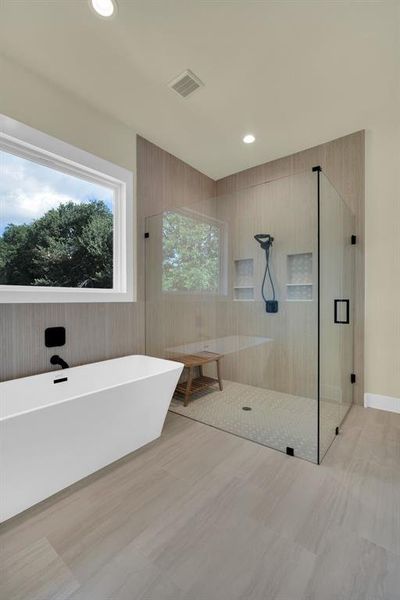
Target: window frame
{"points": [[223, 254], [24, 141]]}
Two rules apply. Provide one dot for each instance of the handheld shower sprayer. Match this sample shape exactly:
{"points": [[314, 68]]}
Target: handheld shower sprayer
{"points": [[265, 240]]}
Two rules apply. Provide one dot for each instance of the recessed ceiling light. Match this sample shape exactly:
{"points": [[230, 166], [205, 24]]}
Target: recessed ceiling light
{"points": [[249, 138], [104, 8]]}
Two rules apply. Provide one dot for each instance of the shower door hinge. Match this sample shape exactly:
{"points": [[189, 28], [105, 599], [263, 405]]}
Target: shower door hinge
{"points": [[353, 378], [147, 235], [317, 168], [353, 240]]}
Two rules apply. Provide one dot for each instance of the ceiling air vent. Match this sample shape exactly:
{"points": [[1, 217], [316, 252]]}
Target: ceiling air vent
{"points": [[185, 84]]}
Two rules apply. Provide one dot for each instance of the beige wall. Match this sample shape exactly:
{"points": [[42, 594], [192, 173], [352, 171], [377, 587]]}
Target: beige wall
{"points": [[286, 208], [382, 254], [343, 162], [34, 101], [26, 97], [94, 331], [382, 229], [165, 183]]}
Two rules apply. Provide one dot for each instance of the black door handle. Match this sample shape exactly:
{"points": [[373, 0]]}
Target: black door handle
{"points": [[340, 304]]}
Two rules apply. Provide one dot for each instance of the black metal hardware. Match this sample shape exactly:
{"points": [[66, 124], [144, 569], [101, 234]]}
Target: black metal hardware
{"points": [[317, 168], [54, 336], [289, 451], [147, 235], [338, 302], [318, 171], [271, 306], [246, 408], [337, 431], [353, 378], [57, 360], [353, 240], [60, 380]]}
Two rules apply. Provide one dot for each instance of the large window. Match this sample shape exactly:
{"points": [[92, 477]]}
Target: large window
{"points": [[65, 226], [193, 253], [56, 230]]}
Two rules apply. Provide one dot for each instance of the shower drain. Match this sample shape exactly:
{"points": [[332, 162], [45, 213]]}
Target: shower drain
{"points": [[246, 408]]}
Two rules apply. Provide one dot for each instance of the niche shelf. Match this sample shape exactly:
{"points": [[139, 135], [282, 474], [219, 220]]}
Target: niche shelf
{"points": [[243, 288], [299, 284]]}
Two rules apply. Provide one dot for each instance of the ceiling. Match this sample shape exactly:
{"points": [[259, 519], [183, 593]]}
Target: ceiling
{"points": [[293, 73]]}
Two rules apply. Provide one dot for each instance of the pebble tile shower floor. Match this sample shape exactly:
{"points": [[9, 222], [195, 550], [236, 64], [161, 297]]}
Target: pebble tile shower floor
{"points": [[276, 419]]}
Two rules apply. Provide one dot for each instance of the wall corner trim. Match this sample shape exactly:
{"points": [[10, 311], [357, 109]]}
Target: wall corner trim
{"points": [[382, 402]]}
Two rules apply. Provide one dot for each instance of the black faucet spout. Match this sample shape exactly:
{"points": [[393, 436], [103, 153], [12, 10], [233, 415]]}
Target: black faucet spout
{"points": [[57, 360]]}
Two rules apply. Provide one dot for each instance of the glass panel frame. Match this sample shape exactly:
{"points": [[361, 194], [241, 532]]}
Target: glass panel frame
{"points": [[202, 314], [270, 359]]}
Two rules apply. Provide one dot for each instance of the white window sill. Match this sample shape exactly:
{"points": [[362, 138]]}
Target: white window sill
{"points": [[29, 295]]}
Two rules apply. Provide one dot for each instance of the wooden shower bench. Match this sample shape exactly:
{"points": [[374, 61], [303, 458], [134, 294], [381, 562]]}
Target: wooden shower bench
{"points": [[201, 382]]}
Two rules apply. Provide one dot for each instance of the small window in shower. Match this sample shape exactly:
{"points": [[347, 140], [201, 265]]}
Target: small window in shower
{"points": [[299, 276], [193, 253]]}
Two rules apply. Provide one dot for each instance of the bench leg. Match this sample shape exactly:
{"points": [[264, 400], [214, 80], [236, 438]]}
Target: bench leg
{"points": [[188, 387], [219, 376]]}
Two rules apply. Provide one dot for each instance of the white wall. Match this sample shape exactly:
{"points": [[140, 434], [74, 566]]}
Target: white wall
{"points": [[28, 98]]}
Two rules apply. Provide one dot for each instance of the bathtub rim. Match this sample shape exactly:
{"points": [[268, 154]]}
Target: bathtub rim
{"points": [[178, 366]]}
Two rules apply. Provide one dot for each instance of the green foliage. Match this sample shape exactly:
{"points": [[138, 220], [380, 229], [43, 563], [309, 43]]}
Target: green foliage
{"points": [[191, 254], [70, 246]]}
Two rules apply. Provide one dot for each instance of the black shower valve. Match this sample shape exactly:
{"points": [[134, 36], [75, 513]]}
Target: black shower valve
{"points": [[271, 306]]}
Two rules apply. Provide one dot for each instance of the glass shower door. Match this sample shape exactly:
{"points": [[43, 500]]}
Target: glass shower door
{"points": [[336, 228]]}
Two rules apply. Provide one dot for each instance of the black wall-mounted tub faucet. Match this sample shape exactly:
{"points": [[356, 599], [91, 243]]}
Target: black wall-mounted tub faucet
{"points": [[57, 360]]}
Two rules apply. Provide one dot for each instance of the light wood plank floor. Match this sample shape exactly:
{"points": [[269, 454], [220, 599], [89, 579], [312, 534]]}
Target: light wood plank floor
{"points": [[203, 515]]}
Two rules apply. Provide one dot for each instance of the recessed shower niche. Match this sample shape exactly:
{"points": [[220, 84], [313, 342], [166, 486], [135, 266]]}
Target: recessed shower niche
{"points": [[299, 284], [243, 288]]}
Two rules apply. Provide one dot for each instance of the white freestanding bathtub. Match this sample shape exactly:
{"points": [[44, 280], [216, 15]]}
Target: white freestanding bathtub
{"points": [[59, 427]]}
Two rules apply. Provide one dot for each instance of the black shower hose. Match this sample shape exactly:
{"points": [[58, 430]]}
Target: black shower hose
{"points": [[267, 271]]}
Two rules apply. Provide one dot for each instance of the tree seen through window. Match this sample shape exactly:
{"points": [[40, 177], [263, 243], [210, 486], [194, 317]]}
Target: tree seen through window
{"points": [[56, 230], [191, 253]]}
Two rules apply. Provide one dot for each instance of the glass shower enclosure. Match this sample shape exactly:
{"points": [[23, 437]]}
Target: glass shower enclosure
{"points": [[253, 292]]}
